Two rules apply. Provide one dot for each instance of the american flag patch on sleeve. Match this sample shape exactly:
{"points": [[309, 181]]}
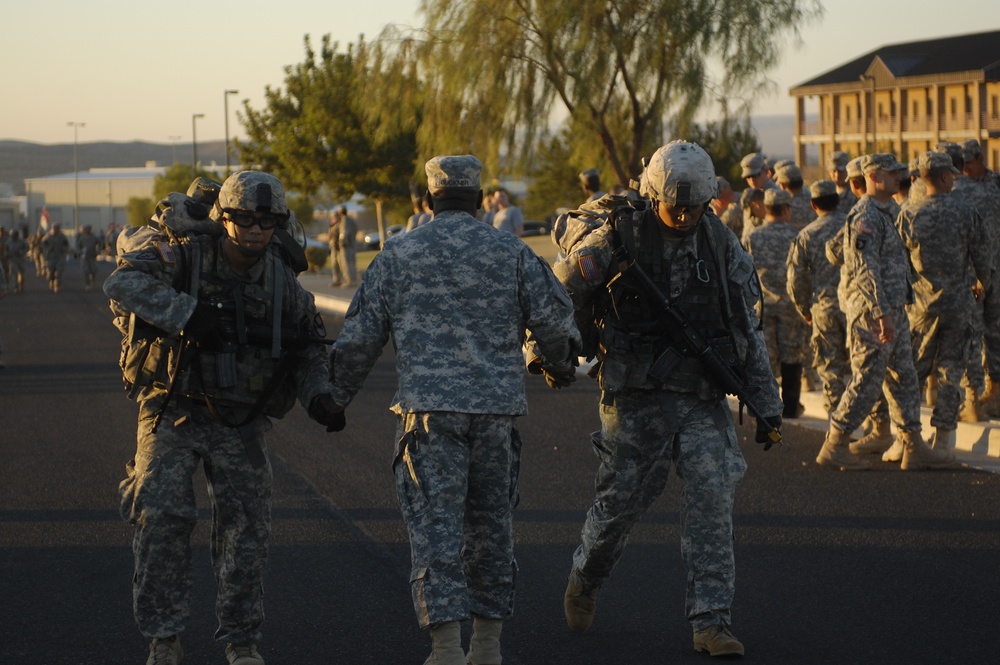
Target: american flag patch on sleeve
{"points": [[588, 268], [166, 252]]}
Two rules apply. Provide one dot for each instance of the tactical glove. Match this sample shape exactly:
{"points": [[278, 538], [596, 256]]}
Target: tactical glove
{"points": [[768, 431], [203, 322], [325, 411], [559, 377]]}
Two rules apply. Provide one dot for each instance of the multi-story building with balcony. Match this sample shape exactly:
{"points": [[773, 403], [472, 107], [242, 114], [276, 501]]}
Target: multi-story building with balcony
{"points": [[903, 99]]}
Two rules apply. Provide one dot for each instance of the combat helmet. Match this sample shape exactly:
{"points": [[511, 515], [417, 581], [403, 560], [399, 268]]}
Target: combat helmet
{"points": [[680, 174], [251, 191]]}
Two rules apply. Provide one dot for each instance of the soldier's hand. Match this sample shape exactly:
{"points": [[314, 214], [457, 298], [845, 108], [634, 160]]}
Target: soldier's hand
{"points": [[768, 431], [203, 322], [886, 330], [326, 412], [559, 377]]}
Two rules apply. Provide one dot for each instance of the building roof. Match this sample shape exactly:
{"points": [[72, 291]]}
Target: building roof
{"points": [[979, 52]]}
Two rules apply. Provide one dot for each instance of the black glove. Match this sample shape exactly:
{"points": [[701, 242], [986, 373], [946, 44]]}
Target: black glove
{"points": [[203, 323], [559, 377], [765, 427], [325, 411]]}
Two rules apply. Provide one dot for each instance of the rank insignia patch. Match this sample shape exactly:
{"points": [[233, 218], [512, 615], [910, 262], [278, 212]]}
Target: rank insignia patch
{"points": [[588, 268]]}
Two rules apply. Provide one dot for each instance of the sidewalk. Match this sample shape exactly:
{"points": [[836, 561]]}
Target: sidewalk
{"points": [[976, 444]]}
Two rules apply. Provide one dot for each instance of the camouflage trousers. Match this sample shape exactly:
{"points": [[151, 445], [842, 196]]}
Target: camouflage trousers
{"points": [[941, 345], [158, 498], [829, 352], [641, 435], [876, 367], [456, 480], [785, 334], [89, 267]]}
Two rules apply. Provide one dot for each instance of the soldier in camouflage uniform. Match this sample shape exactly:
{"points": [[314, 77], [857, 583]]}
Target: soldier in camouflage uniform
{"points": [[984, 193], [679, 416], [874, 288], [457, 296], [837, 168], [812, 287], [727, 207], [942, 239], [206, 393], [752, 203], [790, 179], [17, 249], [87, 245], [54, 248]]}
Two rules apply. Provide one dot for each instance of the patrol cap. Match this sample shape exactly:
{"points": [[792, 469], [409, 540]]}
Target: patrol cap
{"points": [[253, 191], [452, 172], [789, 172], [972, 149], [774, 197], [854, 168], [913, 168], [752, 164], [953, 150], [680, 173], [837, 161], [748, 195], [934, 160], [884, 161], [781, 163], [822, 188]]}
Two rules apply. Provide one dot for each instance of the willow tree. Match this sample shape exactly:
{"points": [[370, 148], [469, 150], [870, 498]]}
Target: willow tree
{"points": [[625, 71], [318, 132]]}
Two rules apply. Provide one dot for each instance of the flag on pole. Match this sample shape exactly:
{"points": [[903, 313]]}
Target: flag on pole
{"points": [[44, 221]]}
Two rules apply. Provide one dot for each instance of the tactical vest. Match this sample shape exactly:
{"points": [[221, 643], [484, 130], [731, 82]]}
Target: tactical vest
{"points": [[634, 330]]}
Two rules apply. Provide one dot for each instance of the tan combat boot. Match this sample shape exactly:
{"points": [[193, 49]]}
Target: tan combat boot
{"points": [[243, 654], [717, 641], [942, 438], [165, 651], [969, 411], [989, 401], [918, 455], [446, 645], [485, 646], [836, 453], [579, 603], [877, 441]]}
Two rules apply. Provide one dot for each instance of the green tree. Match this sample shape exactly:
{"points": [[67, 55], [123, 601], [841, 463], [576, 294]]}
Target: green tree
{"points": [[178, 178], [321, 133], [627, 72], [727, 141], [138, 210]]}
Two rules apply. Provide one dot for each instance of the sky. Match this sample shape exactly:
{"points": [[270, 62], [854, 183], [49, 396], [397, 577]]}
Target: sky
{"points": [[140, 71]]}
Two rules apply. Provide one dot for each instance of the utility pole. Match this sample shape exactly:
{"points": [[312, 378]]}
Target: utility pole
{"points": [[194, 136], [76, 178], [225, 103]]}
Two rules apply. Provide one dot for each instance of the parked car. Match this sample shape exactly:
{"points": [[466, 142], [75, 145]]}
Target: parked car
{"points": [[372, 240], [532, 228]]}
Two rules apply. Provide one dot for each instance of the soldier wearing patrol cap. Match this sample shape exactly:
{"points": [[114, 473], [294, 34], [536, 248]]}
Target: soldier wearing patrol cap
{"points": [[677, 415], [756, 172], [231, 341], [812, 287], [789, 178], [784, 331], [457, 297], [874, 289], [943, 240], [590, 181]]}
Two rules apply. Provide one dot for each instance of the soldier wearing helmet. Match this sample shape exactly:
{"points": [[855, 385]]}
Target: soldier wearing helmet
{"points": [[658, 402], [232, 340]]}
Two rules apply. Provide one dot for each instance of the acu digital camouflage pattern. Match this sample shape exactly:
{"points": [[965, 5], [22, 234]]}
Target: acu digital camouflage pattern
{"points": [[157, 496], [802, 212], [942, 238], [784, 330], [643, 430], [456, 480], [457, 297], [874, 282], [54, 246], [812, 287]]}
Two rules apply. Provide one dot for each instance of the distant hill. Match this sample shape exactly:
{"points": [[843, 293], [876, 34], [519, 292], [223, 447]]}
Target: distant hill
{"points": [[21, 159], [776, 134]]}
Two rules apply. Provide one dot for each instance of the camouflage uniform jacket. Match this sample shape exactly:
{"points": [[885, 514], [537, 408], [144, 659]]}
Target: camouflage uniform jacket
{"points": [[143, 283], [589, 266], [985, 195], [769, 245], [456, 296], [847, 201], [875, 276], [942, 238], [812, 277], [802, 211]]}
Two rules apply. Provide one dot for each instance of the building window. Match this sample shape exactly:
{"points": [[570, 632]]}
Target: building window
{"points": [[916, 109], [848, 113], [953, 106], [968, 104], [993, 103]]}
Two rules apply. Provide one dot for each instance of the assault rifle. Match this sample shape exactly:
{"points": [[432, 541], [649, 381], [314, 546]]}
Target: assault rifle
{"points": [[695, 345]]}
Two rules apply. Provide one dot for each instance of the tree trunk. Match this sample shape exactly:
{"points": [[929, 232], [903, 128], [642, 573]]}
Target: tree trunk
{"points": [[380, 222]]}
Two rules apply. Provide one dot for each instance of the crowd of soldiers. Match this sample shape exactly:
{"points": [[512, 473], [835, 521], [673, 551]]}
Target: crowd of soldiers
{"points": [[880, 255], [47, 251]]}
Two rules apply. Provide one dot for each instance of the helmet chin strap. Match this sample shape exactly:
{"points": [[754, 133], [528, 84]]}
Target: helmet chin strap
{"points": [[250, 253]]}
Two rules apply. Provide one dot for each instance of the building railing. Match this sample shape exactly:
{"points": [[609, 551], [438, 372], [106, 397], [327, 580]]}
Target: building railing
{"points": [[893, 124]]}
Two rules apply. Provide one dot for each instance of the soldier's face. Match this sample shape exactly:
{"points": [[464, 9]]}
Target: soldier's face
{"points": [[680, 218]]}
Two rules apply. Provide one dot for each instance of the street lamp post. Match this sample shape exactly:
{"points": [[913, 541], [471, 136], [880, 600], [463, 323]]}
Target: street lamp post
{"points": [[194, 136], [173, 144], [225, 103], [76, 177]]}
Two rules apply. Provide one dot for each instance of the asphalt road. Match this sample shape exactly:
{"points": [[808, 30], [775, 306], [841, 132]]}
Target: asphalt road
{"points": [[874, 567]]}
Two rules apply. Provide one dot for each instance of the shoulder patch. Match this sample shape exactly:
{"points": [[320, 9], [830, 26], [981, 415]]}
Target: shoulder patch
{"points": [[588, 268], [166, 252], [863, 226]]}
